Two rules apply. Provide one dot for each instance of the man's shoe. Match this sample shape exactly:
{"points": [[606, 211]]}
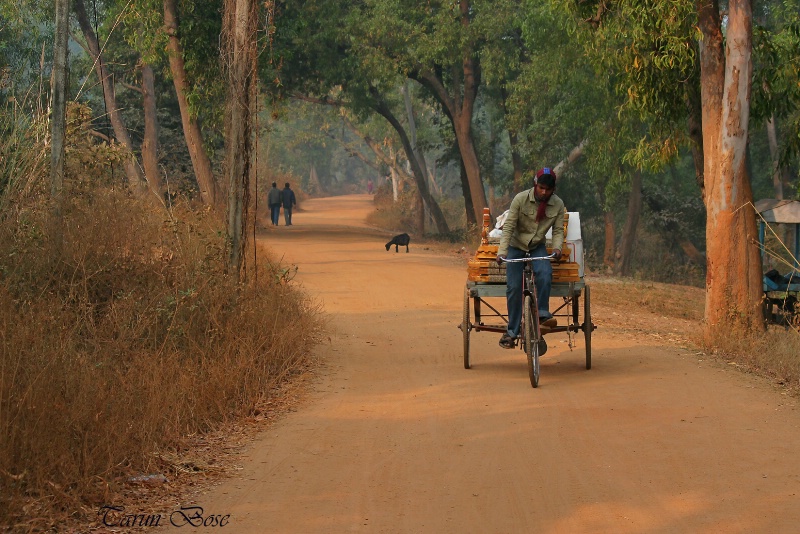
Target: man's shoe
{"points": [[507, 342], [550, 322]]}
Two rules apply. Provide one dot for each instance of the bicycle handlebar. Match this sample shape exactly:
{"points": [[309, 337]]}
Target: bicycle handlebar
{"points": [[528, 259]]}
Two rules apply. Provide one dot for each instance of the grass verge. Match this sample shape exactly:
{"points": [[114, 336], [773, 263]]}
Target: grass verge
{"points": [[122, 342], [774, 353]]}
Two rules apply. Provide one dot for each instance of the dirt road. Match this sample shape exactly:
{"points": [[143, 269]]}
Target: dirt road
{"points": [[398, 437]]}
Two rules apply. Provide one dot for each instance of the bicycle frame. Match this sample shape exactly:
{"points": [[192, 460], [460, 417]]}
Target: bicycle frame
{"points": [[528, 279], [533, 344]]}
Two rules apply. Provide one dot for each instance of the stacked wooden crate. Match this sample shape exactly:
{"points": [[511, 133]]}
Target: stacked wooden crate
{"points": [[483, 266], [565, 271]]}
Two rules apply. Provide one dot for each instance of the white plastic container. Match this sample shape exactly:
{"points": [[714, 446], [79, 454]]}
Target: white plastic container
{"points": [[573, 240]]}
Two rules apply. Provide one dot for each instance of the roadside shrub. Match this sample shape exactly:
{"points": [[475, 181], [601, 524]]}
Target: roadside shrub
{"points": [[125, 341], [390, 215], [774, 354], [24, 158], [654, 260], [400, 216]]}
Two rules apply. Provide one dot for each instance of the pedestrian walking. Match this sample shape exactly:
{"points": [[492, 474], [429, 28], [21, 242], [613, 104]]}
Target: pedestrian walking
{"points": [[274, 202], [289, 200]]}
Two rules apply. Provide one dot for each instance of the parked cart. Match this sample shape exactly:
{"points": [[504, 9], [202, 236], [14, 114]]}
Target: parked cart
{"points": [[781, 290]]}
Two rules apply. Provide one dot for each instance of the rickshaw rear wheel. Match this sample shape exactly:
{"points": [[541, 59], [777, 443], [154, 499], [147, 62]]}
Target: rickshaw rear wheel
{"points": [[587, 326], [465, 328]]}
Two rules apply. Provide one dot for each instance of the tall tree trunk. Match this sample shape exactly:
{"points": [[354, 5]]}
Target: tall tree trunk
{"points": [[459, 105], [609, 231], [240, 59], [382, 108], [412, 131], [513, 143], [59, 121], [209, 191], [393, 179], [573, 155], [516, 161], [468, 205], [150, 142], [132, 172], [490, 166], [412, 126], [419, 213], [393, 173], [780, 176], [466, 187], [695, 124], [313, 181], [610, 240], [469, 158], [431, 166], [733, 279], [628, 238]]}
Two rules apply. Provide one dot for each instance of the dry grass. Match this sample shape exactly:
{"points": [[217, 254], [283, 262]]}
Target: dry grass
{"points": [[671, 300], [125, 345], [774, 353], [394, 216], [128, 341], [401, 216]]}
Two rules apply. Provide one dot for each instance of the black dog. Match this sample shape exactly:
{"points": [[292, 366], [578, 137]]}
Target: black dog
{"points": [[401, 240]]}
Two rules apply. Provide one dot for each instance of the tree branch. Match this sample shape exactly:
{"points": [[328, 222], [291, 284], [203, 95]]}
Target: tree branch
{"points": [[470, 68], [596, 20], [386, 160], [356, 153], [80, 42], [102, 136], [325, 101], [132, 87], [436, 87], [574, 154]]}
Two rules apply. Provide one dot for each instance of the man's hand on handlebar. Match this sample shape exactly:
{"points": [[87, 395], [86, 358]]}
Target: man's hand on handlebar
{"points": [[555, 255]]}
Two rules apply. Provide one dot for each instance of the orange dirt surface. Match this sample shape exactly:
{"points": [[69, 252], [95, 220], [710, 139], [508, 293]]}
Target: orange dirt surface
{"points": [[397, 437]]}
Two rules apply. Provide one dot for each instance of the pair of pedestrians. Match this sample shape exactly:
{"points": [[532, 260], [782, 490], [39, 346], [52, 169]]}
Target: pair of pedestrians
{"points": [[277, 198]]}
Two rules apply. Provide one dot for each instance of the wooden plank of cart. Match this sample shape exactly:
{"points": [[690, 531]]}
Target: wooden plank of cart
{"points": [[485, 292]]}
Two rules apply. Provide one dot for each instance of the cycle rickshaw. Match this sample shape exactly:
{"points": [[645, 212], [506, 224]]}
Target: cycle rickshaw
{"points": [[486, 280]]}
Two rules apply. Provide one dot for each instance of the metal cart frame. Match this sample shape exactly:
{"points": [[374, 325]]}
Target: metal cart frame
{"points": [[475, 316]]}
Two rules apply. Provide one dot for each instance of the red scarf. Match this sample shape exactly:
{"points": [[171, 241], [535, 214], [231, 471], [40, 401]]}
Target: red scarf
{"points": [[541, 212]]}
